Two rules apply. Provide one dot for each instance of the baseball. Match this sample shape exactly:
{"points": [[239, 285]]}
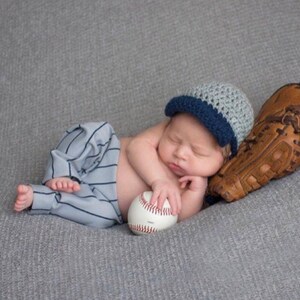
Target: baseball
{"points": [[144, 218]]}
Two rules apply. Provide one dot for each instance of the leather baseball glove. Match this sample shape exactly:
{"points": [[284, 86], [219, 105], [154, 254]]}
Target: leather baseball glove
{"points": [[271, 150]]}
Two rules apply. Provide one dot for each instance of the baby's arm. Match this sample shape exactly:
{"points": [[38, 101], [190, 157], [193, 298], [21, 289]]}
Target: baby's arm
{"points": [[143, 157], [192, 199]]}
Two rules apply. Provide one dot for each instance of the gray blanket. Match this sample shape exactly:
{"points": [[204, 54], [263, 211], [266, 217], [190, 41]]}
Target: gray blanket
{"points": [[69, 61]]}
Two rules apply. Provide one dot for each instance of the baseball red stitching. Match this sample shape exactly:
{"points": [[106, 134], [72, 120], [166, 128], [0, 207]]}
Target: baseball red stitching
{"points": [[142, 228], [153, 209]]}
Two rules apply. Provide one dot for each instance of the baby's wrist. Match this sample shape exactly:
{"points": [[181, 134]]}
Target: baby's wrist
{"points": [[156, 182]]}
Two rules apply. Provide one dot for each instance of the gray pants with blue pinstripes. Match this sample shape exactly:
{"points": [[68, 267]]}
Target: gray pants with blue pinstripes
{"points": [[88, 153]]}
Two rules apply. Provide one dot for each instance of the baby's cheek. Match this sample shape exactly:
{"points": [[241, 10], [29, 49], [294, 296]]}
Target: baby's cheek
{"points": [[216, 164]]}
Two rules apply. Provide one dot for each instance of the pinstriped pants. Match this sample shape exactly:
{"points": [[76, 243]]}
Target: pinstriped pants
{"points": [[88, 153]]}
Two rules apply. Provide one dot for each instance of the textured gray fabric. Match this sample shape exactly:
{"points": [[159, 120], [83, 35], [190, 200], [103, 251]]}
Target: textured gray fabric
{"points": [[69, 61]]}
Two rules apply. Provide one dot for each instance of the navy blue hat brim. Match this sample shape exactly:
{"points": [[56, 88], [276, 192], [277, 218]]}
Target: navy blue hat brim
{"points": [[214, 121]]}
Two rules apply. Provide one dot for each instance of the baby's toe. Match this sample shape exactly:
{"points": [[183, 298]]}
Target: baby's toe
{"points": [[22, 189]]}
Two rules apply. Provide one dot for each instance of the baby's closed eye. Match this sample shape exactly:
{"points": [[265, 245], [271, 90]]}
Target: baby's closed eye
{"points": [[200, 152]]}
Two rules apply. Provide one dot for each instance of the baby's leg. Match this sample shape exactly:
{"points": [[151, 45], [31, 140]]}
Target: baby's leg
{"points": [[25, 193], [24, 197], [63, 184], [80, 150], [83, 207]]}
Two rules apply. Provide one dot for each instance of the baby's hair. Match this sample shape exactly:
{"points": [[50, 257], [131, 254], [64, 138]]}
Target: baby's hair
{"points": [[226, 153]]}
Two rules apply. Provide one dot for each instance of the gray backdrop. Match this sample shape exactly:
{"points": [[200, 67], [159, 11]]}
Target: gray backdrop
{"points": [[69, 61]]}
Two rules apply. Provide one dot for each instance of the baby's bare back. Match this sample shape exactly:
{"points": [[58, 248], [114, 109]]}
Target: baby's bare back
{"points": [[129, 184]]}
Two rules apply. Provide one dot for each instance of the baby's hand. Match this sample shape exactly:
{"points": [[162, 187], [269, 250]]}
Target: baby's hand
{"points": [[165, 189], [195, 183]]}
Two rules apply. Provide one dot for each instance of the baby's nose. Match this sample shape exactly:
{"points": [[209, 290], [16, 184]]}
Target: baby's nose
{"points": [[181, 152]]}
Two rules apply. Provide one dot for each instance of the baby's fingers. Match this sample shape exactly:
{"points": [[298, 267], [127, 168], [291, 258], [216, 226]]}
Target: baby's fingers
{"points": [[161, 200], [184, 181], [154, 197], [175, 203]]}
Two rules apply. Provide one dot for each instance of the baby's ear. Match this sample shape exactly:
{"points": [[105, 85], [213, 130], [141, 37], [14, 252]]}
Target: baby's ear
{"points": [[226, 151]]}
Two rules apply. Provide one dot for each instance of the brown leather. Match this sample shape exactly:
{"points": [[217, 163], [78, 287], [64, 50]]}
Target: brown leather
{"points": [[271, 150]]}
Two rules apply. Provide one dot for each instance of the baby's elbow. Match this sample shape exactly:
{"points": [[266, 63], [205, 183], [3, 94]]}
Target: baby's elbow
{"points": [[188, 212], [184, 216]]}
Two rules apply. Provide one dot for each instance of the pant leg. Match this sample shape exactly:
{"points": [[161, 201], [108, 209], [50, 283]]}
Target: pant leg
{"points": [[82, 207], [81, 147]]}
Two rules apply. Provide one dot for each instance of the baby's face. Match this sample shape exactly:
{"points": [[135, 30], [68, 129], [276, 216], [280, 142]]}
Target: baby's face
{"points": [[188, 148]]}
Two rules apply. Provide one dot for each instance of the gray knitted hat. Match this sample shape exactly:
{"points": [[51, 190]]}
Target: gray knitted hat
{"points": [[221, 107]]}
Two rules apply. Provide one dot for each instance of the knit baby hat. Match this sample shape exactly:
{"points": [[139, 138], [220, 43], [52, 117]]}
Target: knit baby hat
{"points": [[223, 109]]}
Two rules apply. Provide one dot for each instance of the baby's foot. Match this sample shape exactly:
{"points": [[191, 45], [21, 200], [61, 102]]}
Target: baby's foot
{"points": [[24, 197], [63, 184]]}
